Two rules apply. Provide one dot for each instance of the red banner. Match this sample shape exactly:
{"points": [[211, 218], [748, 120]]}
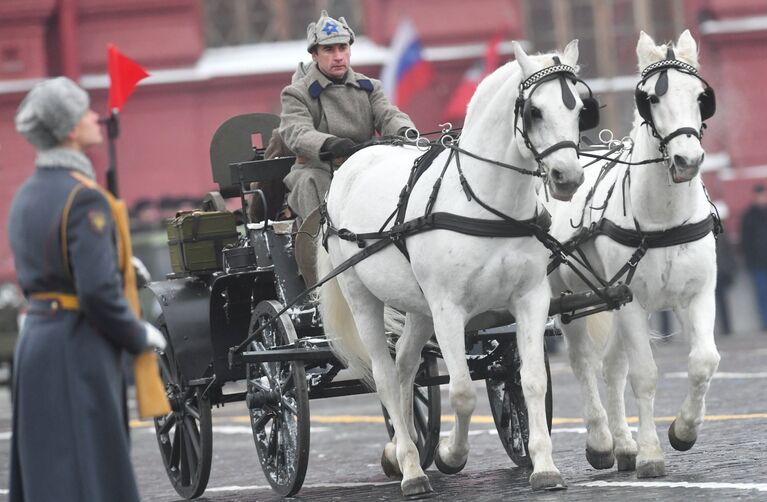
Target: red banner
{"points": [[124, 74]]}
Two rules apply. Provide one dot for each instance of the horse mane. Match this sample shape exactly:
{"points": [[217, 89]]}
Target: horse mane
{"points": [[495, 90], [659, 52]]}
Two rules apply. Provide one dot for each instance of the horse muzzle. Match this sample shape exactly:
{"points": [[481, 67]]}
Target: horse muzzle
{"points": [[562, 186], [683, 169]]}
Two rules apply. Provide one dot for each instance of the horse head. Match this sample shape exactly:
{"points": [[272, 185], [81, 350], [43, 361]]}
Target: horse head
{"points": [[550, 114], [674, 101]]}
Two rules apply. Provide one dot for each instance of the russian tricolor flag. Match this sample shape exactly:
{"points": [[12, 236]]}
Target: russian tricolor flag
{"points": [[459, 101], [406, 71]]}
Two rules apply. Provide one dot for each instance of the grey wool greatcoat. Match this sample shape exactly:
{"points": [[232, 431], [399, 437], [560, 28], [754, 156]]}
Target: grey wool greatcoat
{"points": [[315, 109], [70, 438]]}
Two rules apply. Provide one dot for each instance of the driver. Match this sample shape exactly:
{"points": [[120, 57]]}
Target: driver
{"points": [[330, 109]]}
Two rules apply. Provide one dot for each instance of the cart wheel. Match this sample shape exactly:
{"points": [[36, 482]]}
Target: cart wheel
{"points": [[507, 403], [427, 412], [185, 435], [278, 399]]}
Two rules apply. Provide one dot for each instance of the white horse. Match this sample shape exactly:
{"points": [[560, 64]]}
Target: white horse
{"points": [[657, 197], [451, 276]]}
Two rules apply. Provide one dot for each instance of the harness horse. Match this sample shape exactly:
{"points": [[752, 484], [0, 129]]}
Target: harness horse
{"points": [[653, 220], [444, 277]]}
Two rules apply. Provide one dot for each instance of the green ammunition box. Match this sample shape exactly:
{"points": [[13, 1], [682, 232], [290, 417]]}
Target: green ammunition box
{"points": [[196, 239]]}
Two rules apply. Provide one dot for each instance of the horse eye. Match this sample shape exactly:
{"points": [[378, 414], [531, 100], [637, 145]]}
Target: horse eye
{"points": [[536, 113], [653, 99]]}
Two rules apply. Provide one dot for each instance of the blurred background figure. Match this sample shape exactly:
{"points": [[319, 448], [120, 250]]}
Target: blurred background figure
{"points": [[11, 305], [726, 270], [753, 241]]}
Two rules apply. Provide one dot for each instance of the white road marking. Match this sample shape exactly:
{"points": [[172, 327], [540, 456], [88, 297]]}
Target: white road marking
{"points": [[724, 375], [232, 429], [235, 488], [762, 487], [5, 436]]}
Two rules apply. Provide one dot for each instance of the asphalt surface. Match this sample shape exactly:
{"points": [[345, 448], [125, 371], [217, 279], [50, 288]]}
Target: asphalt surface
{"points": [[728, 461]]}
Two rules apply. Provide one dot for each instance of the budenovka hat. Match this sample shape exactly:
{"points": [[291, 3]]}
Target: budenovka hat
{"points": [[50, 111], [328, 31]]}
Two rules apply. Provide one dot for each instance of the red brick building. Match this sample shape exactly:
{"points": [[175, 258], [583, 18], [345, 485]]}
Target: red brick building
{"points": [[211, 59]]}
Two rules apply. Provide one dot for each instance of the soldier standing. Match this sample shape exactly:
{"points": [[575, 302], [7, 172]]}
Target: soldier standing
{"points": [[330, 109], [70, 438]]}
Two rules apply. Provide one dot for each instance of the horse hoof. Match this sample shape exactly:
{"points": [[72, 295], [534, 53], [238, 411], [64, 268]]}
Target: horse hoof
{"points": [[651, 469], [446, 468], [391, 470], [626, 461], [600, 460], [416, 487], [547, 481], [676, 443]]}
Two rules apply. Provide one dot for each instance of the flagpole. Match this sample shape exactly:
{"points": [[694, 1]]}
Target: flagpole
{"points": [[113, 131]]}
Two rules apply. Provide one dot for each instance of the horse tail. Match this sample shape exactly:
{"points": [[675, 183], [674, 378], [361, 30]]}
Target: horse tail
{"points": [[394, 320], [599, 326], [338, 323]]}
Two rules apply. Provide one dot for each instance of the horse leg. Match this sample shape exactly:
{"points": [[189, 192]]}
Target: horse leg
{"points": [[698, 322], [531, 312], [615, 370], [584, 360], [367, 311], [417, 331], [452, 454], [632, 327]]}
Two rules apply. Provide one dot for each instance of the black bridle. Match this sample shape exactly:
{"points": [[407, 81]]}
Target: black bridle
{"points": [[707, 100], [589, 117]]}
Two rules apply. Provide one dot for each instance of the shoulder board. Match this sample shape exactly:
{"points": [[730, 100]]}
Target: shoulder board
{"points": [[84, 180], [365, 84], [315, 89]]}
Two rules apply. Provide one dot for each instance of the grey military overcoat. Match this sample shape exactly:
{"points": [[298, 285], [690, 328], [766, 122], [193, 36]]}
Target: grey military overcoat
{"points": [[70, 439], [315, 109]]}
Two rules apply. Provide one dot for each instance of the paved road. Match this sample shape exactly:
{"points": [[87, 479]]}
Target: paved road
{"points": [[727, 462]]}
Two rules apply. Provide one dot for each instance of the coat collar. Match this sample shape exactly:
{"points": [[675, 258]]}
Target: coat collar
{"points": [[65, 158], [319, 81]]}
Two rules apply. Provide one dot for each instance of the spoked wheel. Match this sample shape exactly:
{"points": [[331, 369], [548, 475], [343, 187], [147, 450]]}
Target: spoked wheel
{"points": [[427, 412], [185, 435], [278, 400], [509, 409]]}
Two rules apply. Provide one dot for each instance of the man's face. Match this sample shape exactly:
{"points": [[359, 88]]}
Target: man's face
{"points": [[87, 131], [333, 60]]}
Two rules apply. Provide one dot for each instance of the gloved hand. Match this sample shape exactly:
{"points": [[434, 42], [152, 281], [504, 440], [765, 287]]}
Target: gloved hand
{"points": [[339, 147], [143, 277], [402, 131], [154, 337]]}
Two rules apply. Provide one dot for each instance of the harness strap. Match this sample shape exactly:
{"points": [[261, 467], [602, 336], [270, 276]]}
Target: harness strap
{"points": [[682, 234], [689, 131]]}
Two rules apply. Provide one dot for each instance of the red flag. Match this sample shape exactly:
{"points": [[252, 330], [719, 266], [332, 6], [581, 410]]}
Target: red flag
{"points": [[124, 74], [456, 107]]}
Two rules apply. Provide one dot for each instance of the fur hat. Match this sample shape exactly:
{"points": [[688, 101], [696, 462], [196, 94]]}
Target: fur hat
{"points": [[50, 111], [328, 31]]}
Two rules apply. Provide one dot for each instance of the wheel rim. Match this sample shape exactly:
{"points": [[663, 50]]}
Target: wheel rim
{"points": [[427, 411], [279, 406], [185, 434], [509, 408]]}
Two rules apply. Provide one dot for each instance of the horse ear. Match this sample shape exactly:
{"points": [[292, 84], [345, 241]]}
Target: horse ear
{"points": [[687, 49], [647, 51], [525, 62], [570, 54]]}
